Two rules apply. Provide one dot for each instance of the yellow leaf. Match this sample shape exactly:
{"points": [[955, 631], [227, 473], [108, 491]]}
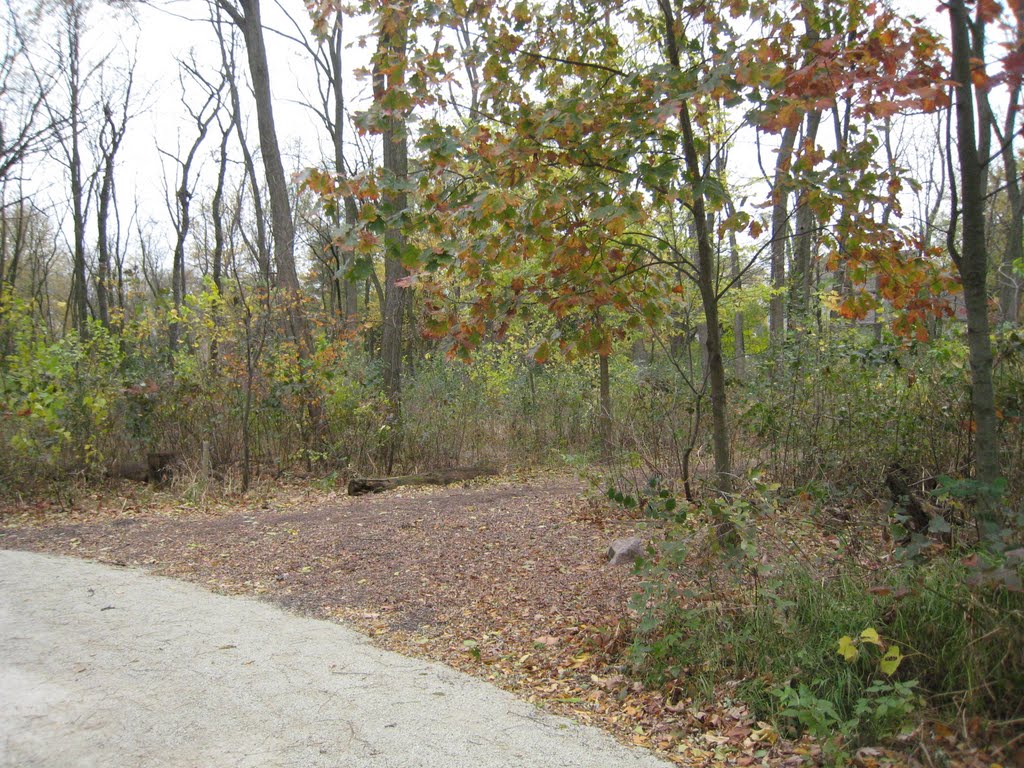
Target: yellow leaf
{"points": [[848, 649], [891, 661], [869, 635]]}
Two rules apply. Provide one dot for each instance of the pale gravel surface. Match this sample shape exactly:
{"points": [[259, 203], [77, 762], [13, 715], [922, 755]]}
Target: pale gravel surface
{"points": [[103, 666]]}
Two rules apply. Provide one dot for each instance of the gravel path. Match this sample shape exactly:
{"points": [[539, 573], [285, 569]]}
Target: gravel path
{"points": [[103, 666]]}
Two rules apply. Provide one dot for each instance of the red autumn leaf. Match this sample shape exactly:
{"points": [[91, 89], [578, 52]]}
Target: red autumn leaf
{"points": [[883, 108], [1013, 63]]}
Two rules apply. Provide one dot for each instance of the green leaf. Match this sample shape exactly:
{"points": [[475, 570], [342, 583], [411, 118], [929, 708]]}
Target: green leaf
{"points": [[360, 269]]}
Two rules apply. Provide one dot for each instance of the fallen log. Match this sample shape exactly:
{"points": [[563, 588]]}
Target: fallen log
{"points": [[155, 470], [358, 486]]}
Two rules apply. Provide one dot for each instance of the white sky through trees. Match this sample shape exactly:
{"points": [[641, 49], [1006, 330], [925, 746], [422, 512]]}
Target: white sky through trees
{"points": [[161, 32]]}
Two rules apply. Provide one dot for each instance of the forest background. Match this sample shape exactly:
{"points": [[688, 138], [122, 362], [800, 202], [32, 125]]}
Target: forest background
{"points": [[727, 257]]}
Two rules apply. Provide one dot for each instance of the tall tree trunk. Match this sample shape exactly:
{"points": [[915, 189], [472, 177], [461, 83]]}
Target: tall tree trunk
{"points": [[707, 276], [79, 292], [800, 279], [102, 241], [262, 249], [281, 223], [389, 74], [111, 134], [182, 212], [1013, 254], [246, 15], [972, 259], [217, 211], [277, 184], [349, 304], [739, 350], [177, 296], [780, 228], [604, 416]]}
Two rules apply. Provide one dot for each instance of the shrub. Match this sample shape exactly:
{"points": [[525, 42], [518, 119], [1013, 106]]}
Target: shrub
{"points": [[835, 654]]}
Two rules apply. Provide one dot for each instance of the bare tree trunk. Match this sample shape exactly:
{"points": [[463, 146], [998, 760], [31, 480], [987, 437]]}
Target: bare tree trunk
{"points": [[739, 350], [217, 209], [111, 134], [349, 289], [800, 279], [604, 416], [707, 277], [246, 16], [13, 244], [227, 53], [181, 212], [389, 75], [736, 275], [1008, 279], [102, 243], [780, 228], [972, 260], [79, 293]]}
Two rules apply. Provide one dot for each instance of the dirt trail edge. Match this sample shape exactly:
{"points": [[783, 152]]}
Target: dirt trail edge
{"points": [[103, 666]]}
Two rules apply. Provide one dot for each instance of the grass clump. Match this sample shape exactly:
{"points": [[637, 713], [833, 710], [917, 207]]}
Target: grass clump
{"points": [[842, 656]]}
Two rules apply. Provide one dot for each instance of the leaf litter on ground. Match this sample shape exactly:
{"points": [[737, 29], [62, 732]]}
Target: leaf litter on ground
{"points": [[503, 578]]}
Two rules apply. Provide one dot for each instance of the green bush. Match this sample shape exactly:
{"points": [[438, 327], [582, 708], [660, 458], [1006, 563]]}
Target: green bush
{"points": [[60, 397], [840, 408]]}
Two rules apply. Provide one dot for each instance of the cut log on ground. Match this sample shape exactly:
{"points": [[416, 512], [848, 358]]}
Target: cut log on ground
{"points": [[156, 469], [360, 486]]}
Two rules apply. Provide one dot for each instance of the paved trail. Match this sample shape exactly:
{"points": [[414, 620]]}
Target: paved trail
{"points": [[103, 666]]}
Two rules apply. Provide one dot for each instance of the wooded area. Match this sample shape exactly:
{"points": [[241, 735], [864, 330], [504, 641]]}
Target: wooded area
{"points": [[727, 258]]}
